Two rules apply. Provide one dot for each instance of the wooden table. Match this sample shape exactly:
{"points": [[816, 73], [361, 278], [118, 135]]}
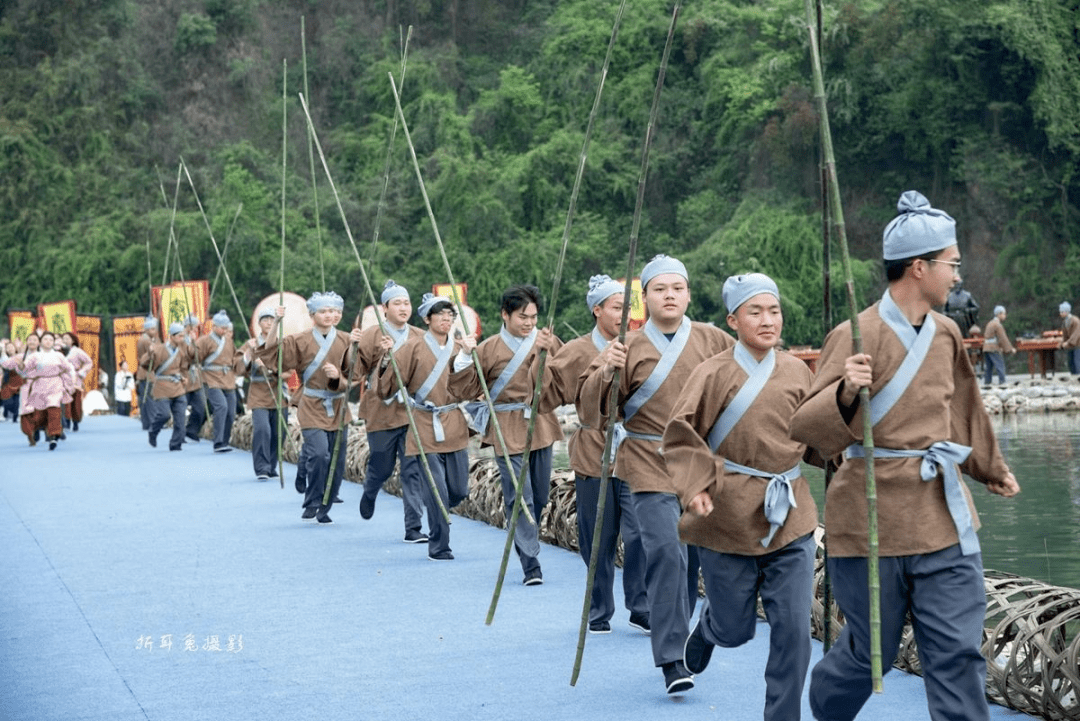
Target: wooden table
{"points": [[1043, 348], [809, 356]]}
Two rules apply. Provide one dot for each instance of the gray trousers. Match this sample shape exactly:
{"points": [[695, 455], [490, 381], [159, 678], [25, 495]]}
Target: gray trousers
{"points": [[784, 578], [534, 495], [671, 572], [386, 448], [196, 413], [318, 446], [264, 440], [619, 517], [945, 595], [995, 363], [148, 407], [223, 410], [450, 471], [162, 410]]}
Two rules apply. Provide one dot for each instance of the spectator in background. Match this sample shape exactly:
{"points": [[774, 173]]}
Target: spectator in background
{"points": [[996, 346], [1070, 336], [123, 382]]}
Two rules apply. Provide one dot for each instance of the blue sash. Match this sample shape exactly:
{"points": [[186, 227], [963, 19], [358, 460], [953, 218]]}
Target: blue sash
{"points": [[942, 456], [399, 336], [324, 349], [758, 374], [173, 351], [479, 410], [419, 399], [208, 362], [669, 356], [779, 495]]}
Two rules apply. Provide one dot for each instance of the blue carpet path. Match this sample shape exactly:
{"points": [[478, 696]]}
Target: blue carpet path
{"points": [[113, 550]]}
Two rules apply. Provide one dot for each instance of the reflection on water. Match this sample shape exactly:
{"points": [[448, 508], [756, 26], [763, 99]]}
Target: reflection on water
{"points": [[1035, 534]]}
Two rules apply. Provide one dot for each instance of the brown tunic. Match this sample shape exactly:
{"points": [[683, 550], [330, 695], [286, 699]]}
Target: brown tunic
{"points": [[941, 404], [379, 416], [639, 462], [996, 339], [416, 361], [232, 361], [1070, 327], [759, 440], [163, 387], [298, 351], [260, 393], [142, 347], [494, 355], [562, 377]]}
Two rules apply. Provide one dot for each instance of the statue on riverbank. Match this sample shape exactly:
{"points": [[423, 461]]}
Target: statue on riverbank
{"points": [[961, 307]]}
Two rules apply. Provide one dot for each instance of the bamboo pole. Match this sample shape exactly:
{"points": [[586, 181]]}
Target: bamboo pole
{"points": [[224, 255], [613, 395], [311, 163], [542, 359], [461, 309], [382, 328], [837, 212], [279, 393]]}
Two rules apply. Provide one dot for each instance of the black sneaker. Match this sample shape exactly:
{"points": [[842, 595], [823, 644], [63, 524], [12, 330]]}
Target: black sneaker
{"points": [[222, 449], [192, 438], [697, 651], [74, 426], [367, 507], [534, 578], [52, 445], [300, 484], [599, 627], [337, 500], [676, 678], [153, 439], [441, 556], [324, 520], [309, 514], [640, 621], [413, 536], [262, 477]]}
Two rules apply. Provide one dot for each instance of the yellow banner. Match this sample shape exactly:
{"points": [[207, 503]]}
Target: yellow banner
{"points": [[637, 303], [445, 290], [88, 329], [59, 317], [22, 324]]}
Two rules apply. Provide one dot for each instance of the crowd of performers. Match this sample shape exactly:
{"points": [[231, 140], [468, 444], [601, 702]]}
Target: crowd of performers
{"points": [[709, 435], [44, 384]]}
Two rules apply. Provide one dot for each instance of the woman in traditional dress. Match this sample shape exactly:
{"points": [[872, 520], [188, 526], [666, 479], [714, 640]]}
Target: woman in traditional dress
{"points": [[51, 382], [17, 363], [82, 364], [9, 390]]}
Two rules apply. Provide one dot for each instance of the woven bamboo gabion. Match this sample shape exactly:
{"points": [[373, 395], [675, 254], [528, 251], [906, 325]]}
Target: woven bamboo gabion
{"points": [[1032, 636]]}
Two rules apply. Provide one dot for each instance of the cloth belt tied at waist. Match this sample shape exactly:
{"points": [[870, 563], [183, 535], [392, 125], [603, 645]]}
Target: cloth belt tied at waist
{"points": [[943, 456], [481, 414], [216, 368], [620, 434], [327, 397], [174, 379], [435, 411], [779, 495]]}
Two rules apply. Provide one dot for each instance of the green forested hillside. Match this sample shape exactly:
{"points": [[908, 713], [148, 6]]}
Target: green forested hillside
{"points": [[976, 103]]}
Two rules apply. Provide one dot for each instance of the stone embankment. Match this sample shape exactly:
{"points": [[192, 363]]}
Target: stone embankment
{"points": [[1032, 396]]}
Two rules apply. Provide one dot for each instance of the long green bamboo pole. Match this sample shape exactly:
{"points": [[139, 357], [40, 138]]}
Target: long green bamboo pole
{"points": [[461, 308], [542, 359], [311, 161], [837, 211], [224, 255], [279, 393], [382, 328], [613, 395]]}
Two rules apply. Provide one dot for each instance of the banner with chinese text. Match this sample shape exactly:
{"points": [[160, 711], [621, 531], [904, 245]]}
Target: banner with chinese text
{"points": [[88, 328], [58, 317]]}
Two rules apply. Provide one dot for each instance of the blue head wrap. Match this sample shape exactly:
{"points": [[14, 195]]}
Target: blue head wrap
{"points": [[175, 328], [221, 319], [191, 321], [740, 288], [601, 287], [660, 265], [149, 322], [267, 312], [392, 290], [1065, 307], [918, 229], [429, 301], [999, 309], [329, 299]]}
